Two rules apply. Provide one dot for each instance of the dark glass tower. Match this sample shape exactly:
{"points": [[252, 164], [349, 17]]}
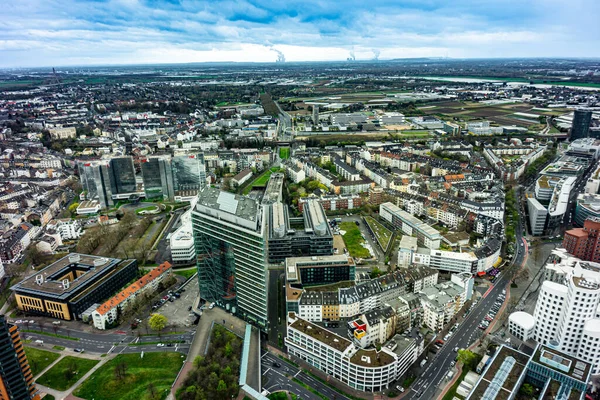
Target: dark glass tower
{"points": [[158, 178], [581, 124], [16, 379], [123, 175]]}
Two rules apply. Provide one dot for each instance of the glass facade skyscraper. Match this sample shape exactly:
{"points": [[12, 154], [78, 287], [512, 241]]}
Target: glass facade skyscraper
{"points": [[231, 253], [97, 181], [581, 124], [189, 175], [123, 175], [158, 178]]}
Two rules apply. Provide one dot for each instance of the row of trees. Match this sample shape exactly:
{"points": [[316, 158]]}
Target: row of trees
{"points": [[215, 376]]}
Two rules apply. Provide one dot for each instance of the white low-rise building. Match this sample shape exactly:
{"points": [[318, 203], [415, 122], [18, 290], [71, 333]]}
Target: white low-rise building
{"points": [[364, 370], [521, 325], [181, 242]]}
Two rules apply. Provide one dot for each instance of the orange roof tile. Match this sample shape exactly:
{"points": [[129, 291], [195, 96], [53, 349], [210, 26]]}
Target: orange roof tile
{"points": [[133, 288]]}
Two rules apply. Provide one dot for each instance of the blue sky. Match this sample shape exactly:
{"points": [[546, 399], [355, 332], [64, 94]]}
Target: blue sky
{"points": [[95, 32]]}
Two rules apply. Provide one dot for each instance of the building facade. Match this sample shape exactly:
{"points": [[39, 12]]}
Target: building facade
{"points": [[16, 379], [229, 235]]}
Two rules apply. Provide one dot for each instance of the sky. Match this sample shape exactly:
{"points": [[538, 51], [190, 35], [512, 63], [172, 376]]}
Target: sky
{"points": [[42, 33]]}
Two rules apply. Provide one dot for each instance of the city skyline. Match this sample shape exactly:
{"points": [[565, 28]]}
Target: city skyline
{"points": [[75, 33]]}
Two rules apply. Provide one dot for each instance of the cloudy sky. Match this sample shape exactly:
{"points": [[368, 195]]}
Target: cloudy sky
{"points": [[96, 32]]}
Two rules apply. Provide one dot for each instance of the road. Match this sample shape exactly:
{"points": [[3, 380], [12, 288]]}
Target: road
{"points": [[432, 378], [280, 378], [104, 343]]}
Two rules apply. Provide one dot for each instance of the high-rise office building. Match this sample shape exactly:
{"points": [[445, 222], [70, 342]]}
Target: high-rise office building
{"points": [[158, 178], [315, 114], [231, 251], [96, 180], [123, 175], [581, 124], [16, 379], [189, 175]]}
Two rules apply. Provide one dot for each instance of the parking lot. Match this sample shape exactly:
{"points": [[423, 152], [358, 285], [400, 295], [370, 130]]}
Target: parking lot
{"points": [[178, 311]]}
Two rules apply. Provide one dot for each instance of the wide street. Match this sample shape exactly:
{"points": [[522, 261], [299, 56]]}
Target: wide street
{"points": [[105, 343], [280, 378], [432, 379]]}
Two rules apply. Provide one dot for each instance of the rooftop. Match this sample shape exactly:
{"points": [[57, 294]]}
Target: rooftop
{"points": [[562, 362], [69, 275], [322, 335], [371, 358]]}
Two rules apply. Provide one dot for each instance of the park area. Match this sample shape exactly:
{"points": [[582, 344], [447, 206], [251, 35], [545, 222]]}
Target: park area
{"points": [[284, 153], [382, 234], [131, 377], [261, 180], [66, 372], [354, 240], [39, 359]]}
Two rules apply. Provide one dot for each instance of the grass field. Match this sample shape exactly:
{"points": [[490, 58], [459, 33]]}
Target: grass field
{"points": [[382, 234], [186, 273], [260, 180], [284, 153], [353, 240], [156, 369], [39, 359], [66, 372]]}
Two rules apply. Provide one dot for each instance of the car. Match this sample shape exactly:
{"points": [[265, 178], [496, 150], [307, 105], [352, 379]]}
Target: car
{"points": [[55, 322], [39, 341], [160, 345], [452, 364], [400, 389], [456, 349], [211, 306], [169, 344], [171, 299], [32, 322], [276, 364], [18, 321], [78, 350], [190, 308]]}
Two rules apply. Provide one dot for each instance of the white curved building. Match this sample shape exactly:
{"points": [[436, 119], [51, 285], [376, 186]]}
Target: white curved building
{"points": [[548, 311], [521, 325], [567, 311], [589, 348]]}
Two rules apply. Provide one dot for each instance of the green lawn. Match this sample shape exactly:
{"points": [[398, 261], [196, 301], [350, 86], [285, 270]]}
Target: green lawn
{"points": [[186, 273], [354, 240], [260, 180], [382, 233], [39, 359], [66, 372], [155, 372], [284, 153]]}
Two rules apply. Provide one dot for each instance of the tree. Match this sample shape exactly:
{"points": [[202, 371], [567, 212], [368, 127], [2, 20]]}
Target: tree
{"points": [[158, 322], [527, 389], [73, 208], [468, 358], [221, 387]]}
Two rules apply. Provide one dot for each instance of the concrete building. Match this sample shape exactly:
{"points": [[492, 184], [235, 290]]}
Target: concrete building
{"points": [[307, 235], [322, 270], [538, 215], [230, 239], [67, 287], [108, 312], [521, 325], [558, 374], [587, 206], [181, 242], [241, 178], [408, 247], [410, 225], [16, 379], [364, 370], [584, 243]]}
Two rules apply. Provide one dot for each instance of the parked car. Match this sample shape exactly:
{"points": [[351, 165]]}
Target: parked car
{"points": [[400, 389], [78, 350], [160, 345]]}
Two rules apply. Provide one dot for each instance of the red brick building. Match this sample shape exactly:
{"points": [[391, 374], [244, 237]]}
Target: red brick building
{"points": [[583, 242]]}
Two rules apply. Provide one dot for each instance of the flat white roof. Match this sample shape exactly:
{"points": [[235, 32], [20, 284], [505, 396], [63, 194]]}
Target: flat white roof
{"points": [[523, 319]]}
